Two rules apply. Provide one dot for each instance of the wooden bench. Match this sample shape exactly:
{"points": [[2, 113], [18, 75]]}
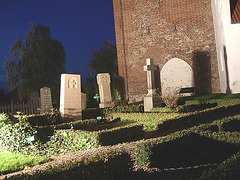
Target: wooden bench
{"points": [[190, 90]]}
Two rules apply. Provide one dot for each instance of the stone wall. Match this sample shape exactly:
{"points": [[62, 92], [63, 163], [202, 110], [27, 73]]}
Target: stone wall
{"points": [[163, 30]]}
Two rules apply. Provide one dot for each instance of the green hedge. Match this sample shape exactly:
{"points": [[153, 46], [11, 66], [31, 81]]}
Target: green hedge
{"points": [[101, 164], [65, 140], [197, 118], [228, 170], [196, 107], [121, 134], [131, 108], [81, 124], [92, 113]]}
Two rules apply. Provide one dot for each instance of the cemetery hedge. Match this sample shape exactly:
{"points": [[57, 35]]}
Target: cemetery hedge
{"points": [[100, 164], [170, 122], [229, 169], [121, 134], [215, 131], [161, 152], [192, 127], [192, 119]]}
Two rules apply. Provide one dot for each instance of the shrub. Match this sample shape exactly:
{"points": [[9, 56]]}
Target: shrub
{"points": [[132, 108], [5, 119], [120, 134], [196, 107], [81, 124], [92, 113], [170, 96], [229, 170], [109, 163], [69, 140], [13, 137]]}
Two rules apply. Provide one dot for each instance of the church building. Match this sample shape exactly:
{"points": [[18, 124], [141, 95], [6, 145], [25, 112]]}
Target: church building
{"points": [[194, 43]]}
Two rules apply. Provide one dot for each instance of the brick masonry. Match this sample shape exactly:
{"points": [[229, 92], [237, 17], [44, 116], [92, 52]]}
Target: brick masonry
{"points": [[162, 30]]}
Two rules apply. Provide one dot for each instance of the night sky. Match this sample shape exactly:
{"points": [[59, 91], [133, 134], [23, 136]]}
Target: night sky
{"points": [[80, 25]]}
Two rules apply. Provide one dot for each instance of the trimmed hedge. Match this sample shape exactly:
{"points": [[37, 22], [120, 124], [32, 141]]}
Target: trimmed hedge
{"points": [[186, 148], [144, 149], [92, 113], [131, 108], [121, 134], [101, 164], [196, 107], [197, 118], [81, 124], [228, 170]]}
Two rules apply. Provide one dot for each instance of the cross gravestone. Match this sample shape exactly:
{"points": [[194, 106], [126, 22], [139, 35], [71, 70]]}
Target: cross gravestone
{"points": [[104, 81], [151, 100], [46, 99], [70, 97]]}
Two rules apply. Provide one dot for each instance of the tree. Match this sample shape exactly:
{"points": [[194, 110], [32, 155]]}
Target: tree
{"points": [[36, 62], [105, 61]]}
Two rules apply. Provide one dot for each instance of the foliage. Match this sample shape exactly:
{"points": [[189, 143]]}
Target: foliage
{"points": [[149, 126], [120, 134], [69, 140], [36, 62], [81, 124], [101, 164], [170, 96], [103, 60], [146, 117], [133, 108], [91, 113], [10, 161], [229, 170], [195, 107], [54, 117], [5, 120], [13, 137], [3, 97]]}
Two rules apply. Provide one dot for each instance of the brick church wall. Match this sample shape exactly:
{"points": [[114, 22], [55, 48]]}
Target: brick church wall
{"points": [[162, 30]]}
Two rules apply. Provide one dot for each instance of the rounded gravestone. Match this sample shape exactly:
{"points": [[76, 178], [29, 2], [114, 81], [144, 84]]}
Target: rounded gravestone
{"points": [[177, 73]]}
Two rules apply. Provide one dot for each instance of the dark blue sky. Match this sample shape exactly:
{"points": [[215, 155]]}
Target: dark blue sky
{"points": [[80, 25]]}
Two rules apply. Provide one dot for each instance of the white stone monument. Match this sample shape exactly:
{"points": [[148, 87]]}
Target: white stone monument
{"points": [[151, 100], [70, 97], [46, 99], [103, 80]]}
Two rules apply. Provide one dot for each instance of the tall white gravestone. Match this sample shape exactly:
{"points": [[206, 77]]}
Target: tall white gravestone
{"points": [[70, 97], [103, 80], [46, 99], [151, 100]]}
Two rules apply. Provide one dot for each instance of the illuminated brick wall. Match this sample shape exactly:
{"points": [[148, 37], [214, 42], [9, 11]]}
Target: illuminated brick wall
{"points": [[163, 30]]}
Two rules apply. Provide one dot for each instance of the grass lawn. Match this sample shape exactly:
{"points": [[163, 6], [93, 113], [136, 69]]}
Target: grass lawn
{"points": [[10, 162]]}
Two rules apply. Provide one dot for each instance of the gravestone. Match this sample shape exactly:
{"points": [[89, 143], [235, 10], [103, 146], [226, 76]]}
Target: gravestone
{"points": [[70, 97], [103, 80], [177, 73], [46, 99], [84, 101], [151, 100]]}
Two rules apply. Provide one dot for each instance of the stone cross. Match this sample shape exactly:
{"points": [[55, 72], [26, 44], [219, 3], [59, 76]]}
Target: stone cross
{"points": [[150, 68]]}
